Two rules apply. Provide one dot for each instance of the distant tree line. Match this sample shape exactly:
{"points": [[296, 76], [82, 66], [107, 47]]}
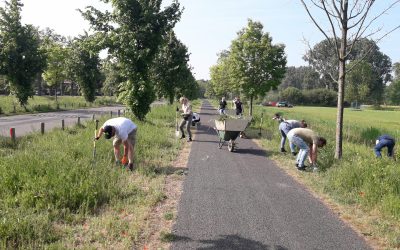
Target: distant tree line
{"points": [[373, 80], [144, 58]]}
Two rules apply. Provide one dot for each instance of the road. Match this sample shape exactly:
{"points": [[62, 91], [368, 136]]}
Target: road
{"points": [[28, 123], [242, 200]]}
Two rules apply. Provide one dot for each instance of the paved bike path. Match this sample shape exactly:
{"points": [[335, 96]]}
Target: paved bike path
{"points": [[242, 200]]}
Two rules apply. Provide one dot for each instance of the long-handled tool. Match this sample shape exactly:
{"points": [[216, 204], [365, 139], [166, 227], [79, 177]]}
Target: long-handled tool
{"points": [[94, 141], [176, 123], [261, 120]]}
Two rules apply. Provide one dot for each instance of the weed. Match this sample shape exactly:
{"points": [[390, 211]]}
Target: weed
{"points": [[168, 216], [167, 237]]}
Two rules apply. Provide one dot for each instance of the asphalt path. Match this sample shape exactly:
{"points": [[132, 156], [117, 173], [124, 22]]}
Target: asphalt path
{"points": [[242, 200], [28, 123]]}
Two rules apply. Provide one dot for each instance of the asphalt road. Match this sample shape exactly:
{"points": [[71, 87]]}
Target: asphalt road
{"points": [[242, 200], [25, 124]]}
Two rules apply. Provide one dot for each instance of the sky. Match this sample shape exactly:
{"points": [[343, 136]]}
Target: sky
{"points": [[208, 27]]}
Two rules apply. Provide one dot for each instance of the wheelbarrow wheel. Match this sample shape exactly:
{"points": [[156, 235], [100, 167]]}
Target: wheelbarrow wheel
{"points": [[220, 143], [231, 145]]}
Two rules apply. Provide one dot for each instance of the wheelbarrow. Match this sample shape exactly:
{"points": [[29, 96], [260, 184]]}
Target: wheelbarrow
{"points": [[229, 129]]}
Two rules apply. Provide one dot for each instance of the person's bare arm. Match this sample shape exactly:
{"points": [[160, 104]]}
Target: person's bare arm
{"points": [[313, 154], [99, 133]]}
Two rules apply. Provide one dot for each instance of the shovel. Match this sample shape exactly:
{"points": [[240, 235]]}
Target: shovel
{"points": [[259, 133], [176, 122], [94, 142]]}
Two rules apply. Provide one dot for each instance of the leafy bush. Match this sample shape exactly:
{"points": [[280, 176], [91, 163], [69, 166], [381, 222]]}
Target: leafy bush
{"points": [[292, 95], [320, 97]]}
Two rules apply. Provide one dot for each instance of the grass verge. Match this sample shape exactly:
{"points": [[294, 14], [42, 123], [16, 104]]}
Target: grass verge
{"points": [[9, 105], [55, 195], [363, 190]]}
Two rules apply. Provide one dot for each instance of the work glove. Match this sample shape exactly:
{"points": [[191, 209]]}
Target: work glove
{"points": [[97, 138], [177, 109]]}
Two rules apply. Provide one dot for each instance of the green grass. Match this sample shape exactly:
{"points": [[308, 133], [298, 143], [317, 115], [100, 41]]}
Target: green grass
{"points": [[10, 106], [359, 179], [54, 195]]}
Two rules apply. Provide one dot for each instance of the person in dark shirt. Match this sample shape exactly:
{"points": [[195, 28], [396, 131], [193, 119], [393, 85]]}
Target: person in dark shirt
{"points": [[384, 141], [222, 106], [238, 106]]}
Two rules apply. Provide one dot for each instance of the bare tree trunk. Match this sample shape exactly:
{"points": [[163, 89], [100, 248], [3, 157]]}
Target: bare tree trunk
{"points": [[251, 106], [340, 111], [341, 83]]}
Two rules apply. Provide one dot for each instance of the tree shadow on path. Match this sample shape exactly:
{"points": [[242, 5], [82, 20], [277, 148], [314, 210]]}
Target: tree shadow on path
{"points": [[231, 242]]}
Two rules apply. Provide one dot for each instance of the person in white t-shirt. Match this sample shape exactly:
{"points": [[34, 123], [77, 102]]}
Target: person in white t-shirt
{"points": [[124, 131]]}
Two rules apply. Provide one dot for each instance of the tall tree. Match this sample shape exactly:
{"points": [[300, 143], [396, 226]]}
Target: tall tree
{"points": [[133, 33], [84, 66], [112, 77], [169, 67], [221, 74], [343, 18], [303, 77], [359, 81], [20, 56], [56, 55], [396, 70], [258, 65]]}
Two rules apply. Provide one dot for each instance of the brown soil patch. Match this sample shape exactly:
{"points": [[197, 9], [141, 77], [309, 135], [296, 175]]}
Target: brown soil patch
{"points": [[157, 224]]}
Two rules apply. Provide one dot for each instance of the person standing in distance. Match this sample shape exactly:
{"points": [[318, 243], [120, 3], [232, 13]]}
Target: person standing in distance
{"points": [[124, 132], [238, 106], [222, 106], [187, 116]]}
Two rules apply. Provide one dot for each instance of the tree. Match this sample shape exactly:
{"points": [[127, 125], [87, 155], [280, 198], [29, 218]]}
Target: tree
{"points": [[396, 70], [322, 58], [258, 65], [303, 77], [393, 92], [56, 55], [359, 81], [20, 56], [222, 79], [133, 33], [170, 67], [367, 50], [292, 95], [112, 77], [84, 66], [342, 19]]}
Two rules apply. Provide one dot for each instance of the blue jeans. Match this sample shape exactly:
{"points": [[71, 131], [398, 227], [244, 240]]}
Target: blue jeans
{"points": [[384, 143], [302, 145], [284, 128]]}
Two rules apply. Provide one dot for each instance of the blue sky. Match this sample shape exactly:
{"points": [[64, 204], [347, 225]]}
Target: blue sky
{"points": [[208, 26]]}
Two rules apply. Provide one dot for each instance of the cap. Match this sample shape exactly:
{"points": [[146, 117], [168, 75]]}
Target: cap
{"points": [[108, 131]]}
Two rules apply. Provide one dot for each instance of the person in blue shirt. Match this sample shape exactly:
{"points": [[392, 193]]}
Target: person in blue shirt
{"points": [[384, 141]]}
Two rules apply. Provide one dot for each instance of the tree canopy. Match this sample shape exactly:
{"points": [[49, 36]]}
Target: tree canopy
{"points": [[133, 33], [20, 56]]}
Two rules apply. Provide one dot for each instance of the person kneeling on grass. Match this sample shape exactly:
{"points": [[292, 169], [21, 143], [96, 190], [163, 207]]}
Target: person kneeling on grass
{"points": [[124, 131], [284, 127], [305, 139], [384, 141]]}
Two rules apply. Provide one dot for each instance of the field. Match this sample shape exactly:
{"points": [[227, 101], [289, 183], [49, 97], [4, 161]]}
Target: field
{"points": [[368, 187], [55, 195], [10, 106]]}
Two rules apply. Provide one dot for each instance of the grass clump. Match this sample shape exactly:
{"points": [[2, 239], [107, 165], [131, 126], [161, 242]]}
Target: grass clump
{"points": [[36, 104]]}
